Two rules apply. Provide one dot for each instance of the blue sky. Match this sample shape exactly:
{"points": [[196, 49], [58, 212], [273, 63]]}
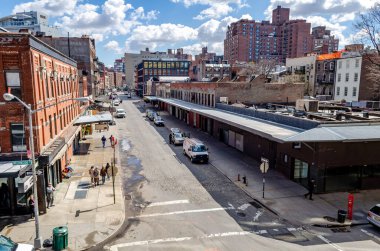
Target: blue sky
{"points": [[131, 25]]}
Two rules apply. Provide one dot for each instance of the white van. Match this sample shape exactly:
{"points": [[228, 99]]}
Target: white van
{"points": [[196, 150]]}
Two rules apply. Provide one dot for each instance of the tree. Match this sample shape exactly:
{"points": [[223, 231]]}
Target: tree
{"points": [[263, 67]]}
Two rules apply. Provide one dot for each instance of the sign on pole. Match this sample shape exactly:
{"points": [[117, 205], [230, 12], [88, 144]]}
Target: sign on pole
{"points": [[22, 162]]}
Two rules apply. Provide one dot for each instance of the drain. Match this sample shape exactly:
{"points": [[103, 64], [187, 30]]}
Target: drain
{"points": [[341, 230], [329, 218], [241, 214], [255, 204], [128, 197]]}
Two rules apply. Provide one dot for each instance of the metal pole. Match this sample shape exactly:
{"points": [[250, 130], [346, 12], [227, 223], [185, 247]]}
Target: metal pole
{"points": [[263, 185], [113, 175], [38, 239]]}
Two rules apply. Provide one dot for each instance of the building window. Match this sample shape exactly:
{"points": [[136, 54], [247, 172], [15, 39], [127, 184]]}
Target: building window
{"points": [[356, 77], [357, 61], [339, 77], [347, 77], [354, 91], [50, 126], [18, 138], [338, 91], [340, 64], [348, 64], [13, 82], [345, 91]]}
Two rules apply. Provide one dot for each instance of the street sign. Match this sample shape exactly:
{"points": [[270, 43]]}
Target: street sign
{"points": [[264, 167], [22, 162], [30, 173]]}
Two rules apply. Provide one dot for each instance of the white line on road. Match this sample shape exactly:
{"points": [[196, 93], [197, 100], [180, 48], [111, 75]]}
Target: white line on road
{"points": [[183, 212], [244, 206], [330, 243], [258, 214], [370, 234], [165, 203]]}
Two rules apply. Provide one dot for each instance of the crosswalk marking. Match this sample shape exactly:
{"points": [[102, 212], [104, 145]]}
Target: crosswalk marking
{"points": [[165, 203]]}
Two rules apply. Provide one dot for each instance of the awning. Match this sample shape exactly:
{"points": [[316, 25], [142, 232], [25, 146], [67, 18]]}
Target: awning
{"points": [[8, 169], [90, 119], [151, 98], [344, 133]]}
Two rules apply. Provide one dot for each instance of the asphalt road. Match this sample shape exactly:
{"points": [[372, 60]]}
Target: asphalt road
{"points": [[173, 204]]}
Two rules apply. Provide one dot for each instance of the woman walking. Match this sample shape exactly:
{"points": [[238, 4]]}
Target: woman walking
{"points": [[96, 176], [103, 173]]}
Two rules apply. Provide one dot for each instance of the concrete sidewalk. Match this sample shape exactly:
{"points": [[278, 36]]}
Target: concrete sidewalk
{"points": [[282, 196], [89, 212]]}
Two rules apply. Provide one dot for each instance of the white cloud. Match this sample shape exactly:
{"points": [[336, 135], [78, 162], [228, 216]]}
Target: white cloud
{"points": [[153, 36], [342, 17], [139, 13], [51, 8], [114, 47], [216, 9]]}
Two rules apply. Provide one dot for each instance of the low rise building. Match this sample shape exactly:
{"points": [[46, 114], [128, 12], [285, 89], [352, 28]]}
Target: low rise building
{"points": [[48, 80], [304, 67]]}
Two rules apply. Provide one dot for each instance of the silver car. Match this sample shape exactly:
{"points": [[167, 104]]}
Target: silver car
{"points": [[177, 138], [373, 216]]}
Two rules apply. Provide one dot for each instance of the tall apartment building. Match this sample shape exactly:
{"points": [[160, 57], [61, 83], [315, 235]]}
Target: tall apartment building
{"points": [[48, 80], [248, 40], [81, 49], [35, 22], [133, 59], [323, 41], [119, 65]]}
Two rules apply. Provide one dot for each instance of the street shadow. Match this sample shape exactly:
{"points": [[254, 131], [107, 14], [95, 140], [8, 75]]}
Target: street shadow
{"points": [[83, 149]]}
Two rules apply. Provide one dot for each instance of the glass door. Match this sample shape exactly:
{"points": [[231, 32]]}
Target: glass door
{"points": [[301, 171]]}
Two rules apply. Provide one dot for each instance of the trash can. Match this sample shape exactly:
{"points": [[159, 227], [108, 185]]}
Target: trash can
{"points": [[342, 214], [60, 238]]}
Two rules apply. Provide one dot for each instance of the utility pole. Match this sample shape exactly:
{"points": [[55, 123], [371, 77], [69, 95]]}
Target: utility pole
{"points": [[114, 143]]}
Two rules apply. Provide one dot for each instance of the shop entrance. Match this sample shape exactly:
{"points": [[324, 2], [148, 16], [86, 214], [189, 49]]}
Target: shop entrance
{"points": [[301, 172]]}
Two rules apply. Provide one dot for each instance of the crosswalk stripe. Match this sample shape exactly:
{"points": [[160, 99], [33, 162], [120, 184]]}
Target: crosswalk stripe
{"points": [[165, 203]]}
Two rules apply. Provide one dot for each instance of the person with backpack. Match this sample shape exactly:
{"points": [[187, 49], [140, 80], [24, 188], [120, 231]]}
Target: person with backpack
{"points": [[104, 141], [96, 176], [50, 195]]}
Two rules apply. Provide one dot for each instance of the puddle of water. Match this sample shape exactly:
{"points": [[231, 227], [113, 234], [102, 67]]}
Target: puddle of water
{"points": [[134, 165], [125, 145]]}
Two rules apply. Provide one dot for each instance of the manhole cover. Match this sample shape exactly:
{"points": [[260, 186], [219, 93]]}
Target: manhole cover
{"points": [[341, 230], [80, 194], [328, 218], [255, 204], [241, 214], [128, 197]]}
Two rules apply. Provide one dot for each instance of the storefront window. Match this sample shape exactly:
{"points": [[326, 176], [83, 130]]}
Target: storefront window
{"points": [[301, 170], [146, 64], [155, 65], [159, 65]]}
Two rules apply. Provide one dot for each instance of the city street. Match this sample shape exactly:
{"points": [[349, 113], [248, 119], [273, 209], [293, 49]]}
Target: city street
{"points": [[173, 204]]}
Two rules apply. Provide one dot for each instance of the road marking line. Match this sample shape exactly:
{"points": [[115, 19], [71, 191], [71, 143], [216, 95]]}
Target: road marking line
{"points": [[183, 212], [157, 241], [165, 203], [291, 229], [258, 214], [370, 234], [244, 206], [330, 243], [262, 232]]}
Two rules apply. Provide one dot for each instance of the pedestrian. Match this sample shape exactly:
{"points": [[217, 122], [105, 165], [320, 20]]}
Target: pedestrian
{"points": [[91, 173], [107, 170], [31, 205], [104, 141], [311, 185], [103, 173], [170, 138], [50, 195], [111, 139], [96, 176]]}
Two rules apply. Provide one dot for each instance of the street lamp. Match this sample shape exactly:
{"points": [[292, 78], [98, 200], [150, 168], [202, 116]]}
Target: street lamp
{"points": [[38, 239], [9, 97]]}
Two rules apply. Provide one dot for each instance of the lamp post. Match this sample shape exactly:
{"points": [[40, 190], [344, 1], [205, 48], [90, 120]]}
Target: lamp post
{"points": [[9, 97]]}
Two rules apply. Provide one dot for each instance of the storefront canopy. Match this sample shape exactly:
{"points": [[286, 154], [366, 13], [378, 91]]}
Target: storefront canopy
{"points": [[8, 169], [91, 119]]}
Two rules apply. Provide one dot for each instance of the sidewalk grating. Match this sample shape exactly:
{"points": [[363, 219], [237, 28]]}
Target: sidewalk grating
{"points": [[80, 194]]}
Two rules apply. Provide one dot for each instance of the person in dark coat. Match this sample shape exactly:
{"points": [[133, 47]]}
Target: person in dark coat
{"points": [[104, 141], [311, 187], [31, 205], [107, 170]]}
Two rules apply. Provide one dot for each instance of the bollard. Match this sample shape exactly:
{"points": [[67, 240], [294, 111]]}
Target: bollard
{"points": [[238, 176], [244, 180]]}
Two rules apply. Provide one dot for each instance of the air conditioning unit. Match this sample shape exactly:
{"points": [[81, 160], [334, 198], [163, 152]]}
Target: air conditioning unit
{"points": [[297, 145]]}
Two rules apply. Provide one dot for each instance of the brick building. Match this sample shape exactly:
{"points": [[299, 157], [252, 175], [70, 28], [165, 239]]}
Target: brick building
{"points": [[248, 40], [48, 80], [323, 41]]}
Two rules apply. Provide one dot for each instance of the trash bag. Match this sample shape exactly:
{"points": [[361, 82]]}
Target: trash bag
{"points": [[48, 243]]}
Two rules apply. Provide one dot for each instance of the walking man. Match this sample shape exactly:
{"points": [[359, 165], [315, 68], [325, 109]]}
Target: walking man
{"points": [[96, 176], [311, 186], [104, 141], [111, 139], [91, 173], [50, 195], [107, 170], [31, 205]]}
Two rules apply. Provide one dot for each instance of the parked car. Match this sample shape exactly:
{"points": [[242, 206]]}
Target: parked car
{"points": [[7, 244], [176, 137], [129, 95], [152, 115], [116, 102], [158, 121], [196, 150], [373, 216], [120, 113]]}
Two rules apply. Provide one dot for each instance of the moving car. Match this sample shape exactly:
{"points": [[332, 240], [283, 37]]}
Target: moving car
{"points": [[120, 113], [158, 121], [7, 244], [373, 216], [116, 102], [196, 150]]}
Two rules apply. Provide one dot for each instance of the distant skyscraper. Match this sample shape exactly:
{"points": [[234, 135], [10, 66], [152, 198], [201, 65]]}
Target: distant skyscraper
{"points": [[248, 40], [33, 21]]}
